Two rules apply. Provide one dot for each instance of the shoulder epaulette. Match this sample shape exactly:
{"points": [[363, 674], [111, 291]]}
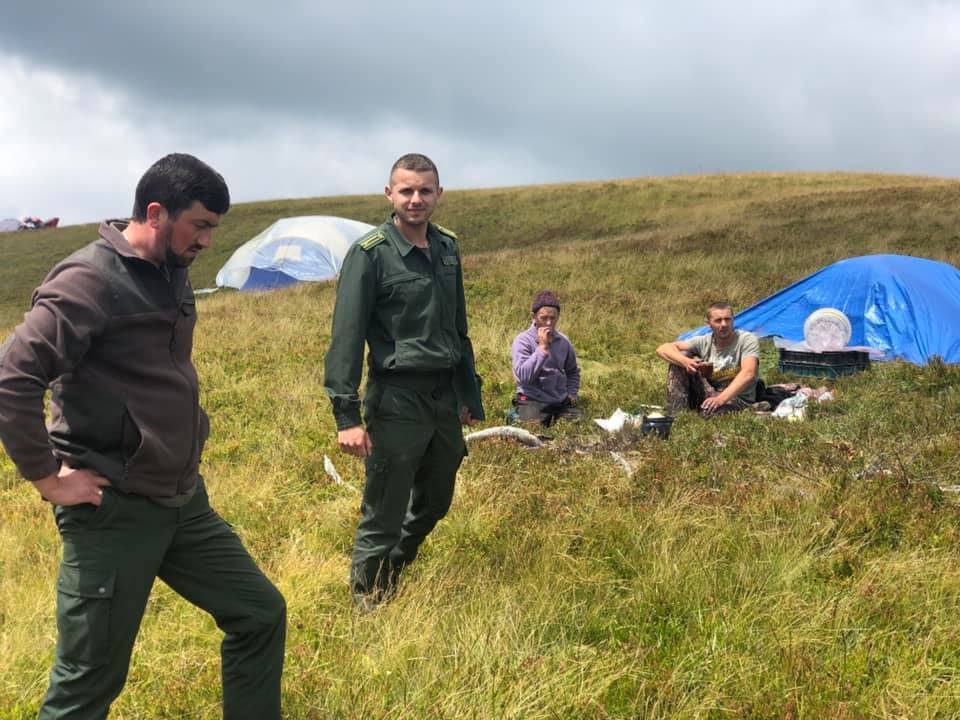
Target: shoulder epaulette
{"points": [[372, 238], [445, 231]]}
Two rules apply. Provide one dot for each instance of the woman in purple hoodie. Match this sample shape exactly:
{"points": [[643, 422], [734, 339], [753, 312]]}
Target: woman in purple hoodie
{"points": [[545, 367]]}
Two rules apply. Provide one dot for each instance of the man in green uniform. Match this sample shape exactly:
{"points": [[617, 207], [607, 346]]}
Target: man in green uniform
{"points": [[110, 332], [401, 292]]}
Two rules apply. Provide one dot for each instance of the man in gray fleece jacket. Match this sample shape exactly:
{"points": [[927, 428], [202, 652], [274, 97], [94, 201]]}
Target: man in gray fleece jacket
{"points": [[110, 333]]}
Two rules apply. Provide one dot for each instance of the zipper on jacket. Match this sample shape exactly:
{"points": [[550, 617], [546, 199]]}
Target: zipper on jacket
{"points": [[195, 395]]}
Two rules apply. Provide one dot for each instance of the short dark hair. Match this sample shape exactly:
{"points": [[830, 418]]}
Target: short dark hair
{"points": [[718, 306], [178, 180], [417, 163]]}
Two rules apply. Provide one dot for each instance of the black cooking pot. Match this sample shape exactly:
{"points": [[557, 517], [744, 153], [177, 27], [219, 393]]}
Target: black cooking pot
{"points": [[659, 426]]}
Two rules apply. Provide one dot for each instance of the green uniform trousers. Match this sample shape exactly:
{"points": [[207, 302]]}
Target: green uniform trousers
{"points": [[111, 556], [414, 425]]}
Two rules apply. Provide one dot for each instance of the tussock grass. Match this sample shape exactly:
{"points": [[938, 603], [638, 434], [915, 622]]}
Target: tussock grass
{"points": [[748, 568]]}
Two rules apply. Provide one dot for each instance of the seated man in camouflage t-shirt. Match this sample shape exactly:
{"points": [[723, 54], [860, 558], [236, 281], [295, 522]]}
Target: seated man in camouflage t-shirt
{"points": [[714, 373]]}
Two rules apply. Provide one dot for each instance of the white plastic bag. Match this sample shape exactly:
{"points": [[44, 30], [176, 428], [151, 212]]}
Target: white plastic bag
{"points": [[615, 422], [792, 408]]}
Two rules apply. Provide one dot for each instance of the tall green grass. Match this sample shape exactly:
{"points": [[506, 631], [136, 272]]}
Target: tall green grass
{"points": [[747, 568]]}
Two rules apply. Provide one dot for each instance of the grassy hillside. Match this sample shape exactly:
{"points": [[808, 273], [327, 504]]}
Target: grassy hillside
{"points": [[748, 568]]}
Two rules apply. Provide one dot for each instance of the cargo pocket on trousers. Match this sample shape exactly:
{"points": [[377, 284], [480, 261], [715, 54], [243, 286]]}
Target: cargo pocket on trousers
{"points": [[84, 599]]}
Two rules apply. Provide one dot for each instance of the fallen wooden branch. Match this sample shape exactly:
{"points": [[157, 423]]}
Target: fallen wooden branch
{"points": [[505, 431]]}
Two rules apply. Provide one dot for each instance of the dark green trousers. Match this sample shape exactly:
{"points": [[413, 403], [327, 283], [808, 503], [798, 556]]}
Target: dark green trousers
{"points": [[418, 446], [111, 556]]}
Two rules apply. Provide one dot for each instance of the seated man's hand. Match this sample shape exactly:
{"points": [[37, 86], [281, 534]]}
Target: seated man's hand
{"points": [[714, 403], [572, 399], [692, 364], [465, 417], [355, 441]]}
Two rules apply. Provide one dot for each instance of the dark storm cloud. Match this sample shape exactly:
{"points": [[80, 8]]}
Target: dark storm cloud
{"points": [[552, 90]]}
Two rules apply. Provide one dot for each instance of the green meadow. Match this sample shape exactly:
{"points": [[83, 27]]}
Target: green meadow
{"points": [[747, 568]]}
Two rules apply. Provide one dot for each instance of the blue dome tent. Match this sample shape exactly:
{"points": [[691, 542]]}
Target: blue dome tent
{"points": [[905, 307], [292, 250]]}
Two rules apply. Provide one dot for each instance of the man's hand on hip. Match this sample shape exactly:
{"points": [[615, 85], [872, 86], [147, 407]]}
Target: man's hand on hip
{"points": [[72, 486], [355, 441]]}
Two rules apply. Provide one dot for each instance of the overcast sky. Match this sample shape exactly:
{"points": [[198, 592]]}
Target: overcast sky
{"points": [[297, 99]]}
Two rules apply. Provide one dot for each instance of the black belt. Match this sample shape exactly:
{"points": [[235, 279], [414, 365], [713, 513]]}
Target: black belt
{"points": [[423, 381]]}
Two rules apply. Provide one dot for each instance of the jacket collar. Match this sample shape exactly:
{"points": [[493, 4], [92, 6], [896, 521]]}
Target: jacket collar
{"points": [[112, 232], [404, 246]]}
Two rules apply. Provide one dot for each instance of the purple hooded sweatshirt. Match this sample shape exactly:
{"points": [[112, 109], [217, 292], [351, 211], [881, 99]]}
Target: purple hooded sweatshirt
{"points": [[545, 378]]}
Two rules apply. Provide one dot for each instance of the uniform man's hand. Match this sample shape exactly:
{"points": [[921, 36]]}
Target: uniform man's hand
{"points": [[465, 417], [72, 486], [355, 441]]}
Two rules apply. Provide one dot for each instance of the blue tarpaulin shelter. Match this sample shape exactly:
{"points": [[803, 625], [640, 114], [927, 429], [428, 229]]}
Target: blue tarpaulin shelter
{"points": [[292, 250], [906, 307]]}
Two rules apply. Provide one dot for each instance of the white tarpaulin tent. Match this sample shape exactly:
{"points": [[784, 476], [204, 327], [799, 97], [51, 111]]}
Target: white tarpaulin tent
{"points": [[292, 250]]}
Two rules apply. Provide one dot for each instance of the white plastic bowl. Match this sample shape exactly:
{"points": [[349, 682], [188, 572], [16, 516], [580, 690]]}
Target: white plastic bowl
{"points": [[827, 329]]}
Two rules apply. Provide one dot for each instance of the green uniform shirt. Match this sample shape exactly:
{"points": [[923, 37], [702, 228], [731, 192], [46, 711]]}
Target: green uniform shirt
{"points": [[408, 307]]}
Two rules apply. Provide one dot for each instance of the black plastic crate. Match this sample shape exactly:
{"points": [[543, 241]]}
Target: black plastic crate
{"points": [[824, 364]]}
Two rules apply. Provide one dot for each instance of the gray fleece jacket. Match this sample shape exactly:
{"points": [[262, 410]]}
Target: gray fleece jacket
{"points": [[111, 335]]}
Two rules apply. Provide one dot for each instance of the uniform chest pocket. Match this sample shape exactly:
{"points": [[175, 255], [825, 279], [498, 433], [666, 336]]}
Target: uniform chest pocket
{"points": [[398, 278], [405, 287], [447, 275]]}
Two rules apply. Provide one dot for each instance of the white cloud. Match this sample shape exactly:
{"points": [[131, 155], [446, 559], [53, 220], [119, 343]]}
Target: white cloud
{"points": [[73, 149], [295, 159], [68, 148]]}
